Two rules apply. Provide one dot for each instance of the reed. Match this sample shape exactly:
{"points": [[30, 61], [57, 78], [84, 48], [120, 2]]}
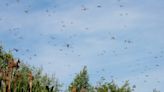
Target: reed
{"points": [[30, 79]]}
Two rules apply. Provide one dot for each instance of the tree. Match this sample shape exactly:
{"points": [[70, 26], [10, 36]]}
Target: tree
{"points": [[81, 80], [112, 87]]}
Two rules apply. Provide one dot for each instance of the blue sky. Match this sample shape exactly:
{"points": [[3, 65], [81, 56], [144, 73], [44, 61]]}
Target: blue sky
{"points": [[119, 38]]}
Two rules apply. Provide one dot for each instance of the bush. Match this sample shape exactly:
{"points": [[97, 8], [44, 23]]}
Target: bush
{"points": [[19, 81]]}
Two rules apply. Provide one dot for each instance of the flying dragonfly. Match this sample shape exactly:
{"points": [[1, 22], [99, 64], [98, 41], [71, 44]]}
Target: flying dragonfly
{"points": [[99, 6], [16, 50]]}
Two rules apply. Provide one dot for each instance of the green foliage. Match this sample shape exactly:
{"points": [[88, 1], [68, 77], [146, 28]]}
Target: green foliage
{"points": [[112, 87], [44, 83], [40, 81], [81, 80], [4, 56]]}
